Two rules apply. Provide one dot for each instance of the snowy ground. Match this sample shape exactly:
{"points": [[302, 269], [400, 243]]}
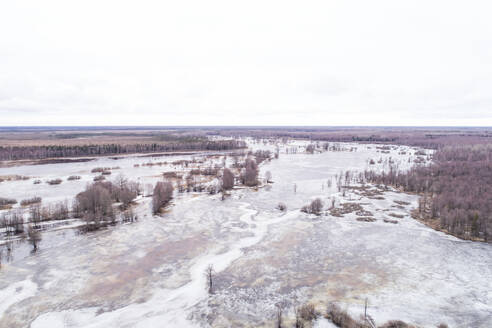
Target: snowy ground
{"points": [[151, 273]]}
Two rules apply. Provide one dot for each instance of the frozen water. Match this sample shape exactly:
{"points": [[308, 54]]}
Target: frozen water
{"points": [[151, 273]]}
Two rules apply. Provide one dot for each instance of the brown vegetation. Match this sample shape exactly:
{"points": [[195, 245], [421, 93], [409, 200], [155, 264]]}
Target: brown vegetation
{"points": [[227, 179], [54, 181], [163, 193], [30, 201]]}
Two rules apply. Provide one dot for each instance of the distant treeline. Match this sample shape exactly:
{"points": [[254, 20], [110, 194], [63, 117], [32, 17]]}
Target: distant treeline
{"points": [[58, 151], [456, 189], [430, 138]]}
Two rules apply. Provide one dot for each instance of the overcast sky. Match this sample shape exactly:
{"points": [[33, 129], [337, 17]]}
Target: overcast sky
{"points": [[246, 62]]}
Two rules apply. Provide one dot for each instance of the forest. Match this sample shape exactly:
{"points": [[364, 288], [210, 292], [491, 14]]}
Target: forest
{"points": [[455, 189], [9, 153]]}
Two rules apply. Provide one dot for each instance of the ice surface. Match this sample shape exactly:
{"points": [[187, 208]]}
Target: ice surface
{"points": [[151, 273]]}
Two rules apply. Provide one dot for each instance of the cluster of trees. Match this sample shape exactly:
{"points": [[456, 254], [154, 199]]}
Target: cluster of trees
{"points": [[315, 207], [57, 151], [7, 202], [261, 155], [31, 201], [13, 221], [456, 189], [95, 204]]}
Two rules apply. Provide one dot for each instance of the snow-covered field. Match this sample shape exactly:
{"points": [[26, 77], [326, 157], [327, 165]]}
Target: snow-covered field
{"points": [[150, 273]]}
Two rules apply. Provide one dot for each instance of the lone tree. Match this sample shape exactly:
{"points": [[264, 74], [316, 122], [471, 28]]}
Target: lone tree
{"points": [[250, 174], [209, 275], [278, 314], [227, 179], [163, 193], [34, 237], [316, 206]]}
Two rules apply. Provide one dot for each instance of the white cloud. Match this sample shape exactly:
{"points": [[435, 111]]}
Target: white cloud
{"points": [[257, 62]]}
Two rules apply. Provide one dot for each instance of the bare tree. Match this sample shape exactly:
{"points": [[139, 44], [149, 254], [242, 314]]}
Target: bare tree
{"points": [[163, 193], [249, 176], [227, 179], [209, 275], [279, 313], [35, 214], [315, 207], [34, 237], [298, 323]]}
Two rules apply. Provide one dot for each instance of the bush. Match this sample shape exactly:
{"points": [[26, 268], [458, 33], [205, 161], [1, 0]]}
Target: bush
{"points": [[30, 201], [7, 201], [282, 207], [396, 324], [73, 177], [99, 178], [308, 312], [100, 169], [54, 181], [342, 319]]}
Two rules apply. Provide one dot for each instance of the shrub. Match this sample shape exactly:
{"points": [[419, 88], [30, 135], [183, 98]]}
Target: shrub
{"points": [[396, 324], [54, 181], [7, 201], [282, 207], [99, 178], [308, 312], [30, 201], [100, 169], [342, 319], [73, 177]]}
